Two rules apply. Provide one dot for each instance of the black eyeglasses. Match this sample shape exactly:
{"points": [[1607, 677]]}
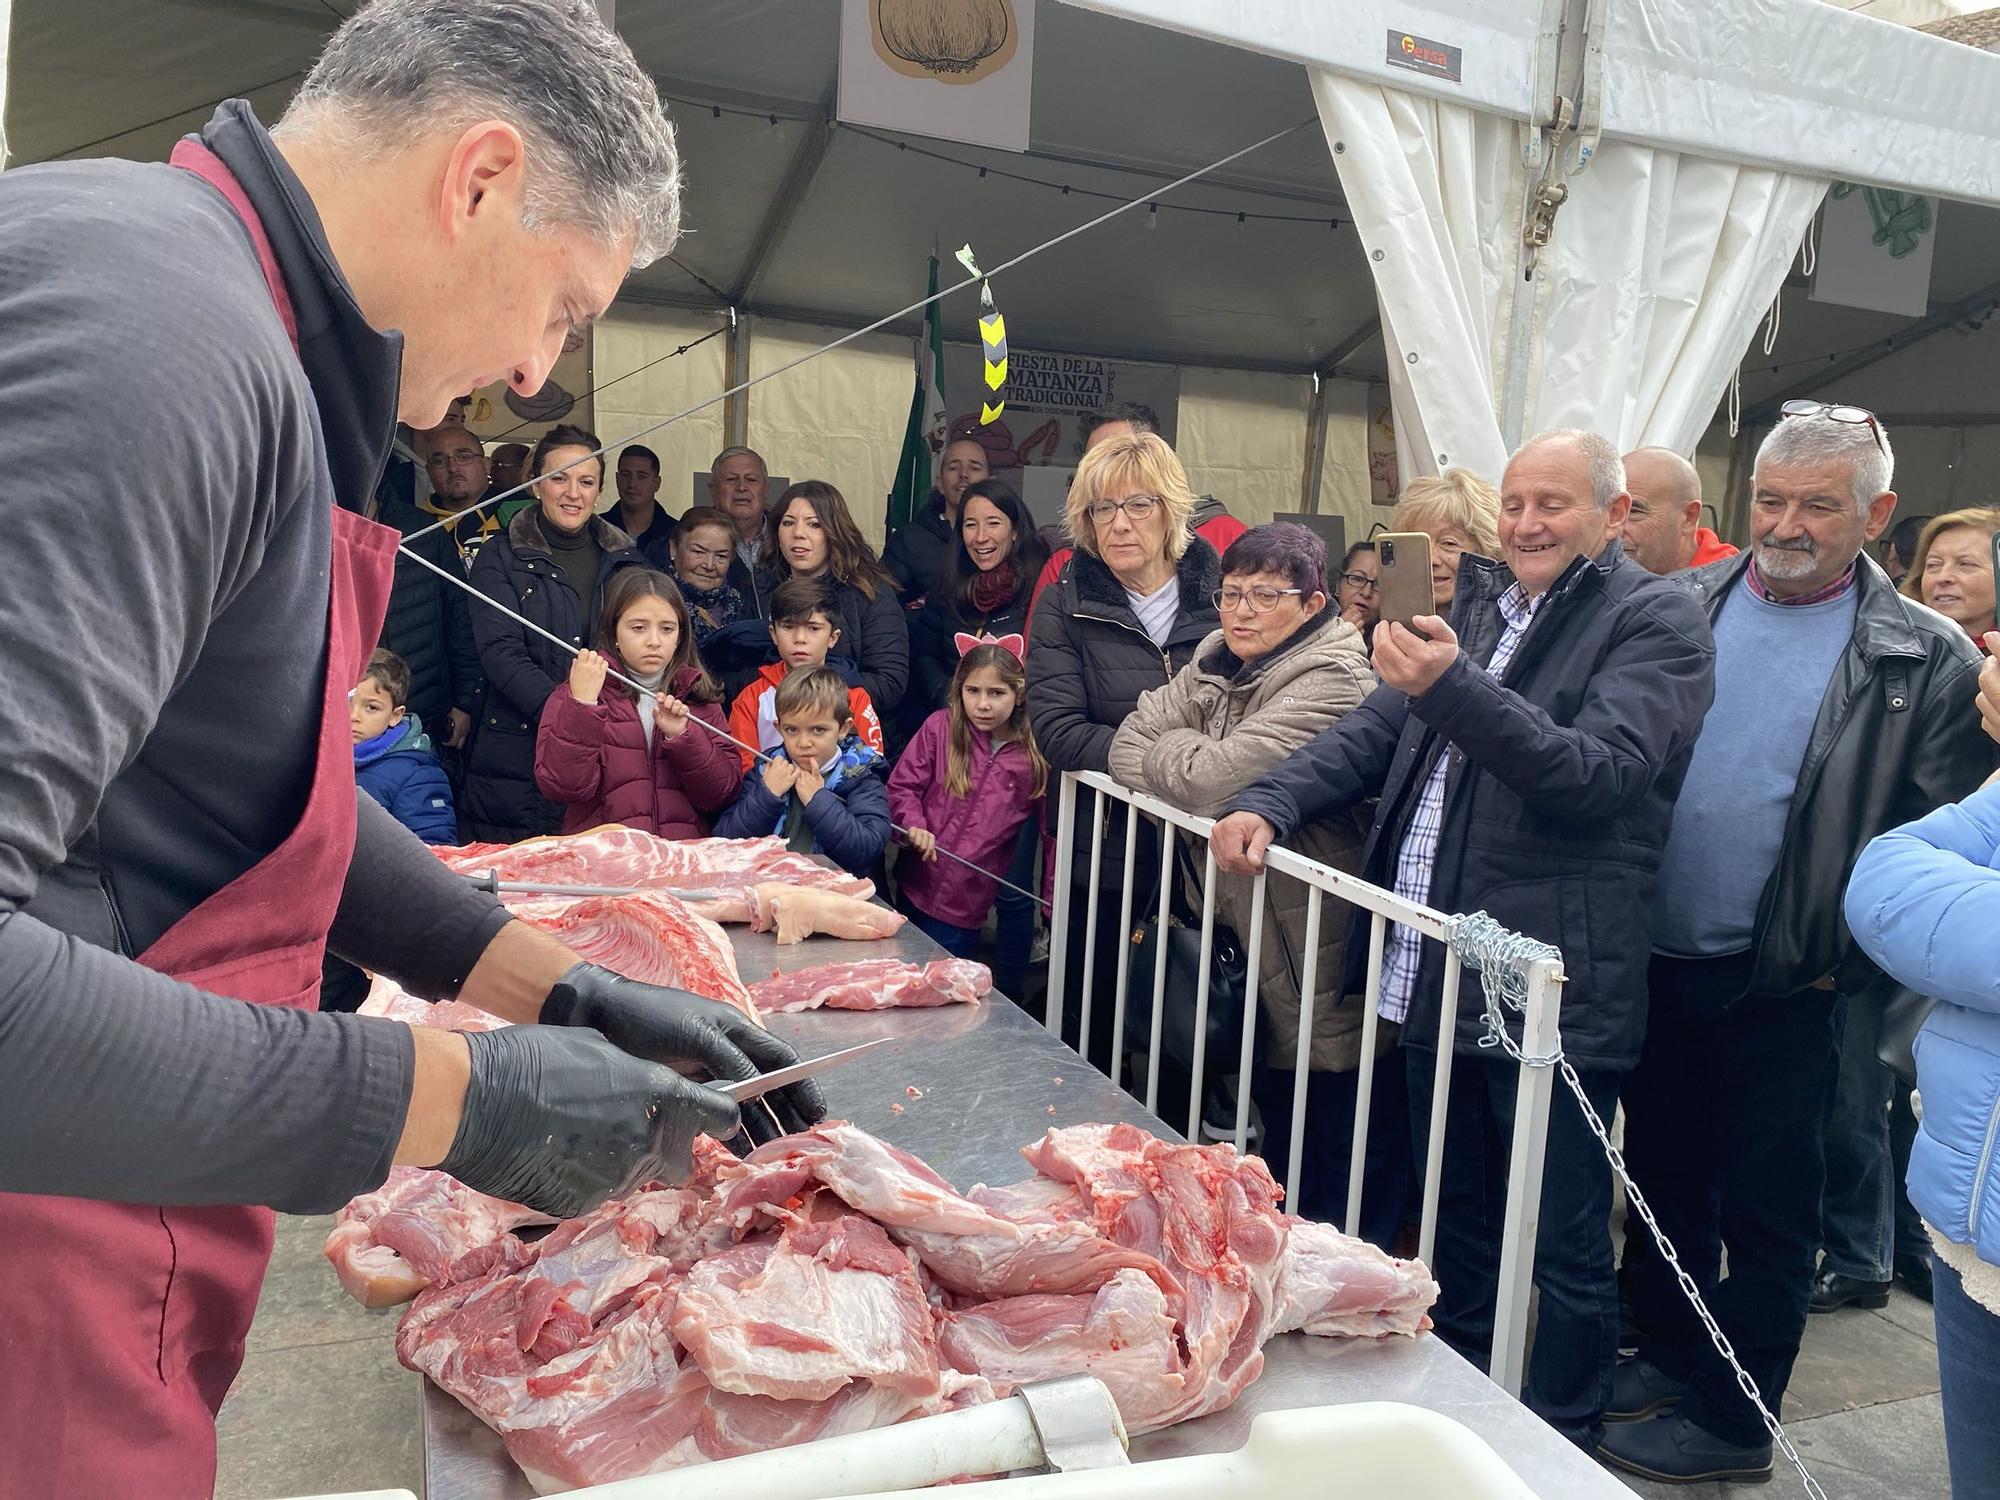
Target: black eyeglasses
{"points": [[1261, 598], [1361, 582], [1833, 411]]}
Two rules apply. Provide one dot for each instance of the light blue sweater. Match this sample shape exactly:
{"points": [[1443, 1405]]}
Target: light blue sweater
{"points": [[1772, 665]]}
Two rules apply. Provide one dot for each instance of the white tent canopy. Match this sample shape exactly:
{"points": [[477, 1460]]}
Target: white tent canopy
{"points": [[1673, 157], [814, 228]]}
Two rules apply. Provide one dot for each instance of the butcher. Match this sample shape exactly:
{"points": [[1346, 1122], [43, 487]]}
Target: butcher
{"points": [[454, 189]]}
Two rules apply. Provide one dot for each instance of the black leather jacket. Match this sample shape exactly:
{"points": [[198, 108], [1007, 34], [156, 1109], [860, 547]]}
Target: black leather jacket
{"points": [[1897, 735]]}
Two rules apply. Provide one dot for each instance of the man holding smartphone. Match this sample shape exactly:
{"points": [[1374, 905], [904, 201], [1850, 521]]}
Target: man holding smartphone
{"points": [[1527, 755]]}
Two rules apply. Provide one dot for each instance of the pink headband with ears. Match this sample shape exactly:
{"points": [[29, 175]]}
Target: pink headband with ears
{"points": [[1013, 645]]}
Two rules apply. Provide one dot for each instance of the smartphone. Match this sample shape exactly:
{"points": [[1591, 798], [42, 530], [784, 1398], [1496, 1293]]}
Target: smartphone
{"points": [[1405, 590]]}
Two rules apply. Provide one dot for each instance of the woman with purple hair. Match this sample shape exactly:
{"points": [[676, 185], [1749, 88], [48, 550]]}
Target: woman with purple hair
{"points": [[1282, 668]]}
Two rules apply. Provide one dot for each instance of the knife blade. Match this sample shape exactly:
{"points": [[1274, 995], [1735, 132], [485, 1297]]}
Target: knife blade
{"points": [[493, 885], [763, 1083]]}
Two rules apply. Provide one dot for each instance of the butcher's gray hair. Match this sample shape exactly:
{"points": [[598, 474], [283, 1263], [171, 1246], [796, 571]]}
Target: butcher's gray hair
{"points": [[1600, 456], [1818, 439], [601, 156], [738, 452]]}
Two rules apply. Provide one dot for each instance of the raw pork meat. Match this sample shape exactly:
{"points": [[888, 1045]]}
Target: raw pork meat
{"points": [[797, 913], [829, 1283], [388, 1245], [874, 984], [799, 1315], [722, 870], [649, 936]]}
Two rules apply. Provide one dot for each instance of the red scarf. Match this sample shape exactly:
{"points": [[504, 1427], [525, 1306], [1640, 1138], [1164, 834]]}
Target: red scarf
{"points": [[994, 590]]}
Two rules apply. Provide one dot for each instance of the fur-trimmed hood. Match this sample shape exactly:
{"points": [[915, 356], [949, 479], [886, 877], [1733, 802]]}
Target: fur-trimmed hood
{"points": [[526, 533]]}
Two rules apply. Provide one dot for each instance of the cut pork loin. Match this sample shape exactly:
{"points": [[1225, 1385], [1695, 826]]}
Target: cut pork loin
{"points": [[723, 871], [874, 984]]}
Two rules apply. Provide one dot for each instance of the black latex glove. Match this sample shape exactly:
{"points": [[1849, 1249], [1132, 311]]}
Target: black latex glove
{"points": [[562, 1120], [673, 1026]]}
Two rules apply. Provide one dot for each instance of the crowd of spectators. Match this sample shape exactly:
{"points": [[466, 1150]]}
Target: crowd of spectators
{"points": [[1612, 732]]}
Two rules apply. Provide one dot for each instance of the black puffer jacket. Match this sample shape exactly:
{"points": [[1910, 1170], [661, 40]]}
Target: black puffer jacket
{"points": [[500, 802], [874, 635], [429, 623], [1897, 737], [1561, 784], [934, 652], [1089, 659], [920, 553]]}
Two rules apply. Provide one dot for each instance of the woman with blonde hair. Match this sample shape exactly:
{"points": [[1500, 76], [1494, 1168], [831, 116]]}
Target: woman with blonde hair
{"points": [[1128, 611], [1460, 513], [1952, 569]]}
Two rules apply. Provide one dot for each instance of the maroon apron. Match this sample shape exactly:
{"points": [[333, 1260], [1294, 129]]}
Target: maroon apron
{"points": [[126, 1322]]}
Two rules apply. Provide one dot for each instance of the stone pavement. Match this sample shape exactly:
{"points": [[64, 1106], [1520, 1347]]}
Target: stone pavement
{"points": [[1862, 1410], [323, 1406]]}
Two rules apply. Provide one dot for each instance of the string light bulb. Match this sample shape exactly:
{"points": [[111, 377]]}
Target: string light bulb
{"points": [[1152, 216]]}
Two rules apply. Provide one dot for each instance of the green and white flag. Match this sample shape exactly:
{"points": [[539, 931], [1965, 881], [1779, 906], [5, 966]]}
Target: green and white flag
{"points": [[927, 418]]}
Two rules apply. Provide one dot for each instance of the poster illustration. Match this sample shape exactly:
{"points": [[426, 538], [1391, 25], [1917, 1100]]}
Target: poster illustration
{"points": [[1385, 483], [960, 70]]}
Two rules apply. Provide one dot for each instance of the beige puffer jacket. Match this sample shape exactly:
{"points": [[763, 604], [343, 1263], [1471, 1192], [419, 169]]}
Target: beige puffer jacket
{"points": [[1217, 726]]}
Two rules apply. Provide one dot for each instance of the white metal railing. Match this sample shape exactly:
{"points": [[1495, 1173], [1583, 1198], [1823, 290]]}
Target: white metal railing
{"points": [[1544, 980]]}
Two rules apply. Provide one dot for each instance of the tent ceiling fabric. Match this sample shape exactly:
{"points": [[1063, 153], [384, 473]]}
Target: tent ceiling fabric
{"points": [[1193, 288], [129, 76]]}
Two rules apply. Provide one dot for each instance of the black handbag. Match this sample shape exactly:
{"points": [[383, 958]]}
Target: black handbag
{"points": [[1228, 975], [1903, 1015]]}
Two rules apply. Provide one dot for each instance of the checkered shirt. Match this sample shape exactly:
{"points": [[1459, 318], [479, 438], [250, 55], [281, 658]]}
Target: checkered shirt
{"points": [[1417, 859]]}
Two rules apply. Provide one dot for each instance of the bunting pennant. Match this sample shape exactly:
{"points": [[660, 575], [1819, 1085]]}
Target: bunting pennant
{"points": [[993, 338]]}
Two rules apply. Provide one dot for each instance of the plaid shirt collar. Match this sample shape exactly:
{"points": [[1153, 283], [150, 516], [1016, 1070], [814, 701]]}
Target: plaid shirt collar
{"points": [[1833, 590], [1517, 609]]}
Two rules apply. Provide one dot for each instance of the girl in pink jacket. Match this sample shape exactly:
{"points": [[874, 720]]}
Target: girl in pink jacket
{"points": [[613, 756], [966, 783]]}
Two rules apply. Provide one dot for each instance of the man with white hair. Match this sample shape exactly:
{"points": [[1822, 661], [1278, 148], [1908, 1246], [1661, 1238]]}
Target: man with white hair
{"points": [[1664, 533], [454, 188], [1841, 709], [1526, 757]]}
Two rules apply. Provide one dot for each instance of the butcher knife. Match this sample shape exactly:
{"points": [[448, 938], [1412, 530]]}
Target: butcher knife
{"points": [[763, 1083]]}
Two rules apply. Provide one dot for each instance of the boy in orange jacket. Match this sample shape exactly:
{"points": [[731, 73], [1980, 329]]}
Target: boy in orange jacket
{"points": [[805, 626]]}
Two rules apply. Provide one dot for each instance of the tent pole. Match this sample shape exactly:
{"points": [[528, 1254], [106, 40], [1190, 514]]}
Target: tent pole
{"points": [[6, 6], [736, 371], [1309, 481]]}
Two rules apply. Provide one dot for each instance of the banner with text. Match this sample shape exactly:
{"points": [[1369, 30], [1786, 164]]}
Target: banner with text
{"points": [[1037, 440]]}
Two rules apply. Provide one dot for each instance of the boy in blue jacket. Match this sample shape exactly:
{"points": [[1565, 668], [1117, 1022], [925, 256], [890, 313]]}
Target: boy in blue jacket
{"points": [[821, 791], [393, 762]]}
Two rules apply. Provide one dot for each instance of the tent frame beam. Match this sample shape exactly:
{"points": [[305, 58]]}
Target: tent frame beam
{"points": [[784, 206], [908, 329], [803, 111], [1945, 317]]}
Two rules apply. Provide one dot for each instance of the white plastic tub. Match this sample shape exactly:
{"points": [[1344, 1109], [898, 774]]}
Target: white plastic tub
{"points": [[1373, 1450]]}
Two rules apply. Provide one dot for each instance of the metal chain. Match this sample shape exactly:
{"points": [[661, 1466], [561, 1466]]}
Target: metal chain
{"points": [[1502, 958]]}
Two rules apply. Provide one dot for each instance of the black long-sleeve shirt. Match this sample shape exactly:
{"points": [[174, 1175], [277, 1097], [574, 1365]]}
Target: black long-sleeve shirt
{"points": [[161, 673]]}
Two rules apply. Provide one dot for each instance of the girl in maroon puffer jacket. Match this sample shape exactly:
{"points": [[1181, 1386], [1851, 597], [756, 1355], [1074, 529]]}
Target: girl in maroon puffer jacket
{"points": [[614, 756]]}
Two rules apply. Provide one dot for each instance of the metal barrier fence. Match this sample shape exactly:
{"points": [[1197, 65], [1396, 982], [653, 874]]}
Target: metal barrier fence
{"points": [[1544, 979]]}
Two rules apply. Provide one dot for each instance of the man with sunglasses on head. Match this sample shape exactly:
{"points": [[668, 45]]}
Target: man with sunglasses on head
{"points": [[1840, 712]]}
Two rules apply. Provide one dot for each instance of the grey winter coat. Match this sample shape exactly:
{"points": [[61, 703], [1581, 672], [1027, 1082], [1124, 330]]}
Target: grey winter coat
{"points": [[1215, 728]]}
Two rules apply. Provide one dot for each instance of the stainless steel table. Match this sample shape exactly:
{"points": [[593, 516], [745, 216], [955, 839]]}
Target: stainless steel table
{"points": [[991, 1080]]}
